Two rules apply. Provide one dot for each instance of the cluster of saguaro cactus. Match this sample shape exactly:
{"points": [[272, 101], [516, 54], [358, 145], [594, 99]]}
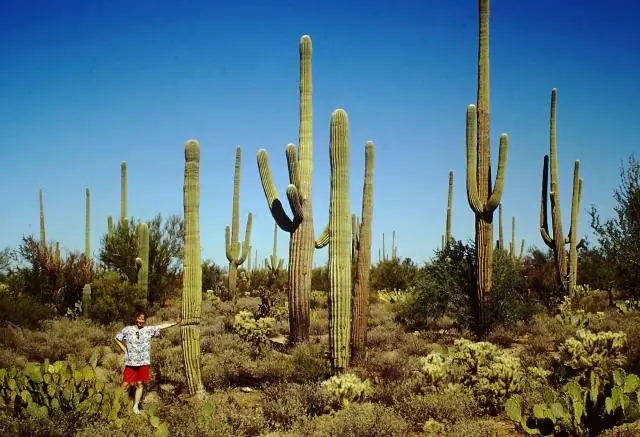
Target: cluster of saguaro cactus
{"points": [[235, 255], [360, 306], [273, 263], [483, 196], [192, 274], [566, 277], [299, 194], [512, 244]]}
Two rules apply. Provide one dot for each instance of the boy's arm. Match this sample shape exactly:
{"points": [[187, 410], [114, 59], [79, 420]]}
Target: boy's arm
{"points": [[170, 324], [121, 345]]}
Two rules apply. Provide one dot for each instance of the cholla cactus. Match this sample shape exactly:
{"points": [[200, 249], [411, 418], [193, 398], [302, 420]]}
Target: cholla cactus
{"points": [[254, 331], [593, 352], [346, 388]]}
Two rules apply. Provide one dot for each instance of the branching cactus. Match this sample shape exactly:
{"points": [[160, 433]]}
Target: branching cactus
{"points": [[87, 225], [299, 194], [192, 274], [235, 255], [123, 193], [339, 243], [566, 278], [360, 309], [142, 261], [482, 196]]}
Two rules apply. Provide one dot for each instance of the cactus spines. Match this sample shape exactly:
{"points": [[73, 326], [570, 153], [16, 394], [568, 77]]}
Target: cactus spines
{"points": [[360, 309], [550, 189], [142, 231], [43, 235], [123, 193], [192, 276], [235, 254], [447, 235], [299, 194], [339, 243], [87, 225], [482, 196]]}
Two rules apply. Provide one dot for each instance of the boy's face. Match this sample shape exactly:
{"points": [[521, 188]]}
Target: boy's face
{"points": [[140, 320]]}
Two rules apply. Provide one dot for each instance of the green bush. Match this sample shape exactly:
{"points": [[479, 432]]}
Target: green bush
{"points": [[114, 298]]}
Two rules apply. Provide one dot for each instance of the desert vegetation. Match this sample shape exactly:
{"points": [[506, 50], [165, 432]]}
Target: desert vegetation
{"points": [[484, 339]]}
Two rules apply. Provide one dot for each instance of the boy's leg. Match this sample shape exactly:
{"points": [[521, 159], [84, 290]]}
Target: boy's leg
{"points": [[138, 397]]}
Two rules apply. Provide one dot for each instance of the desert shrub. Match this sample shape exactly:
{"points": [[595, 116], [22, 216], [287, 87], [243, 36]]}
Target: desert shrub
{"points": [[50, 279], [24, 310], [287, 404], [540, 278], [394, 274], [359, 420], [320, 278], [309, 363], [318, 299], [114, 298]]}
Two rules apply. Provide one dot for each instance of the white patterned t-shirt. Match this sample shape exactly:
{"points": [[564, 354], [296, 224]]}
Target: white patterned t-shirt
{"points": [[138, 341]]}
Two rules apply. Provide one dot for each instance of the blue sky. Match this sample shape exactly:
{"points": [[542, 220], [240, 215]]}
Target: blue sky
{"points": [[86, 85]]}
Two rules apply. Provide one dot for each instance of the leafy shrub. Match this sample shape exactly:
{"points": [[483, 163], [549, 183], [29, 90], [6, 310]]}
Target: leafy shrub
{"points": [[113, 298], [24, 310], [394, 275]]}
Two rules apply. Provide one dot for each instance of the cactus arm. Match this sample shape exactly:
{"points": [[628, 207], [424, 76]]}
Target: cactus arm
{"points": [[544, 221], [472, 188], [295, 202], [271, 193], [292, 164], [323, 238], [496, 195], [247, 240], [521, 250], [227, 243]]}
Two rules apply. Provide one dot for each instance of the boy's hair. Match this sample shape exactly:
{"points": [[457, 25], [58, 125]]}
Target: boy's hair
{"points": [[140, 312]]}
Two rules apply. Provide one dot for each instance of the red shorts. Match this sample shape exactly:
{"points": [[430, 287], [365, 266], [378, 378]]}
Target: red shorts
{"points": [[133, 374]]}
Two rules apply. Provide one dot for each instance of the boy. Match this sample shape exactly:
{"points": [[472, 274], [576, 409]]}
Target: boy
{"points": [[135, 342]]}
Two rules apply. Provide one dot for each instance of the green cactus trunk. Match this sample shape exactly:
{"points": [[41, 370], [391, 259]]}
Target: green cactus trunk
{"points": [[360, 309], [87, 225], [483, 200], [299, 194], [447, 235], [86, 300], [43, 235], [142, 230], [339, 244], [556, 243], [111, 230], [123, 193], [235, 255], [192, 273]]}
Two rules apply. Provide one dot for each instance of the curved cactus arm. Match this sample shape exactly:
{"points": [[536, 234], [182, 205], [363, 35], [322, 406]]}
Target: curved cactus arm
{"points": [[496, 195], [472, 188], [271, 193], [247, 240], [295, 202], [544, 221], [292, 164], [227, 243], [323, 238]]}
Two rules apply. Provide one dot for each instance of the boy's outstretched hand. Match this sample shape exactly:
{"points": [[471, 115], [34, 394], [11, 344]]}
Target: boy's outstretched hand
{"points": [[179, 319]]}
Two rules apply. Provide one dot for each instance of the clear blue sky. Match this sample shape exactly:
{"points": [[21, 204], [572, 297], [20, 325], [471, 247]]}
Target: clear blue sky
{"points": [[85, 85]]}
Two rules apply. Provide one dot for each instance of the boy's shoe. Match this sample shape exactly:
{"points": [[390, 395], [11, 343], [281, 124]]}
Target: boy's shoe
{"points": [[136, 410]]}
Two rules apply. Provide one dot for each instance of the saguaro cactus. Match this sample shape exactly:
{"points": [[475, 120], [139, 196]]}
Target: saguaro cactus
{"points": [[43, 235], [124, 218], [339, 243], [192, 274], [110, 228], [235, 255], [273, 262], [87, 225], [483, 200], [512, 245], [447, 235], [500, 245], [142, 231], [299, 194], [360, 309], [558, 241]]}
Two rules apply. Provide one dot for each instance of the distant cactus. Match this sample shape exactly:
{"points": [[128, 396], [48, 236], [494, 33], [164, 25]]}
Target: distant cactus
{"points": [[43, 236], [500, 245], [142, 261], [512, 245], [111, 230], [273, 262], [483, 198], [360, 308], [123, 193], [299, 194], [86, 299], [235, 255], [192, 276], [447, 235], [339, 243], [87, 225], [565, 278]]}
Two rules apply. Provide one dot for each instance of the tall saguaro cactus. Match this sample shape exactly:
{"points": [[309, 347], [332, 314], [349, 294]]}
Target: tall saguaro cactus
{"points": [[235, 255], [339, 243], [360, 308], [565, 278], [192, 274], [483, 198], [87, 225], [43, 235], [447, 235], [124, 218], [142, 261], [299, 194]]}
